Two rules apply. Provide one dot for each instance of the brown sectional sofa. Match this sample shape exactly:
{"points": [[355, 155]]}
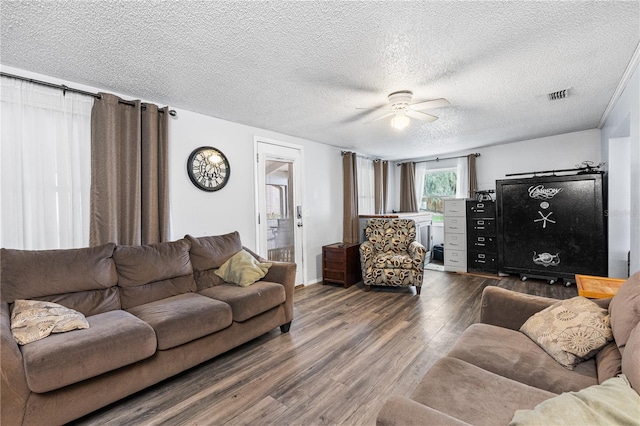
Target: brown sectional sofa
{"points": [[153, 311], [493, 369]]}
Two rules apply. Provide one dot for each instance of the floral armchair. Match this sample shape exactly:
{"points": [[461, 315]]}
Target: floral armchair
{"points": [[391, 256]]}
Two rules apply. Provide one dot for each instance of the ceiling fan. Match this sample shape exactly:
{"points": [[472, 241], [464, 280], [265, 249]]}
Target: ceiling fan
{"points": [[402, 110]]}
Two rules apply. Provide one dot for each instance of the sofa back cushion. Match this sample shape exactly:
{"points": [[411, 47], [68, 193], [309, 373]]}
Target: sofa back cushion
{"points": [[82, 279], [391, 235], [631, 359], [625, 311], [209, 253], [153, 272]]}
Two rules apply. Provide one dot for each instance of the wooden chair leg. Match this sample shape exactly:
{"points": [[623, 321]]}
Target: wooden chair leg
{"points": [[367, 287], [418, 290]]}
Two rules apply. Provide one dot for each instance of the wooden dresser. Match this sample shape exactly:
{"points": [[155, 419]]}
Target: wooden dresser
{"points": [[341, 264]]}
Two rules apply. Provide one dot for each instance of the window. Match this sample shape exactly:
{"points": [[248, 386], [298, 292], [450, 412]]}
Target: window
{"points": [[437, 185], [46, 166], [366, 196]]}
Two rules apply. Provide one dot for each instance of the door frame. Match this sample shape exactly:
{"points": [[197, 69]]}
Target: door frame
{"points": [[305, 215]]}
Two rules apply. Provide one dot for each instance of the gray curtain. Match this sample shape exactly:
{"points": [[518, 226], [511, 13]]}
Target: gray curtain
{"points": [[380, 181], [129, 172], [350, 232], [473, 180], [408, 201]]}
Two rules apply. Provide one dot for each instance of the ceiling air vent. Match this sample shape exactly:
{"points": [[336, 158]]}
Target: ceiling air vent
{"points": [[561, 94]]}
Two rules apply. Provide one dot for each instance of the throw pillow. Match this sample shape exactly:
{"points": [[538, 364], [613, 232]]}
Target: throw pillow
{"points": [[614, 402], [242, 269], [570, 331], [33, 320]]}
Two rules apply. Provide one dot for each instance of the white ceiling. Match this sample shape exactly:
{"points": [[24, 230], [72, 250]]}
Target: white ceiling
{"points": [[302, 68]]}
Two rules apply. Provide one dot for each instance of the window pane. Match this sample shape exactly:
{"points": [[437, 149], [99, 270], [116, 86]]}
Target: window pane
{"points": [[438, 184]]}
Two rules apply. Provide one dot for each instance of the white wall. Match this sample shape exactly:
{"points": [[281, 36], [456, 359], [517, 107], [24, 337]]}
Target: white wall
{"points": [[624, 121], [233, 207], [550, 153], [201, 213]]}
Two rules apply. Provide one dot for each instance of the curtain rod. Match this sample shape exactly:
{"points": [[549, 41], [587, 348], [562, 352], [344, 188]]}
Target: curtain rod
{"points": [[343, 153], [476, 154], [66, 89]]}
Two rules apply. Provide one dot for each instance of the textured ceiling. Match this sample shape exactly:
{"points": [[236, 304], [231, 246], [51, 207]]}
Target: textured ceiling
{"points": [[302, 68]]}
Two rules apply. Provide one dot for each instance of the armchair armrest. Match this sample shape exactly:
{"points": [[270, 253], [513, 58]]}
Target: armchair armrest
{"points": [[282, 273], [417, 251], [14, 391], [403, 412]]}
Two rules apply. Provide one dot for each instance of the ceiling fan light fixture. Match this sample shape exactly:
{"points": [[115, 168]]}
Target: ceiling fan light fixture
{"points": [[400, 121]]}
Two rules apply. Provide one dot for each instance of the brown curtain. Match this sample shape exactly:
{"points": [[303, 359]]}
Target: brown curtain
{"points": [[473, 180], [129, 172], [408, 201], [350, 232], [380, 183]]}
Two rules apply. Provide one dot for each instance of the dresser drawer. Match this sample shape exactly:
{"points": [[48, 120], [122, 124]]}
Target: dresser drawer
{"points": [[333, 254]]}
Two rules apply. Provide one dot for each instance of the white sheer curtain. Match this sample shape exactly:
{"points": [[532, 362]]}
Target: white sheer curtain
{"points": [[45, 153], [462, 173], [366, 190], [421, 170]]}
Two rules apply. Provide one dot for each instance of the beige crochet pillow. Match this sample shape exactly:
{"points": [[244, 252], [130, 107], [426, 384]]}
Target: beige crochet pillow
{"points": [[570, 331], [33, 320]]}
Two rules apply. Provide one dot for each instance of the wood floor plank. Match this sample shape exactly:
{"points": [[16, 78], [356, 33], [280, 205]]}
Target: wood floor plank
{"points": [[348, 350]]}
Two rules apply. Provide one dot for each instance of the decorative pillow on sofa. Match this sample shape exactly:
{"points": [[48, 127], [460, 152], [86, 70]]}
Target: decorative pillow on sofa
{"points": [[33, 320], [614, 402], [570, 331], [242, 269]]}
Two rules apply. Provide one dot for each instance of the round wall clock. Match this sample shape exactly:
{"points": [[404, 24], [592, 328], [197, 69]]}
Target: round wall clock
{"points": [[208, 168]]}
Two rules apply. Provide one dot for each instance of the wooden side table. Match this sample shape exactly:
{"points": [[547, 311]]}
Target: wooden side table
{"points": [[598, 287], [341, 264]]}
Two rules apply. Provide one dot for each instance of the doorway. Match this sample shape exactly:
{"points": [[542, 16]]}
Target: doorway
{"points": [[279, 201]]}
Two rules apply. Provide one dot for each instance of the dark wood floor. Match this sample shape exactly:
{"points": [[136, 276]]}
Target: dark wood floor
{"points": [[348, 351]]}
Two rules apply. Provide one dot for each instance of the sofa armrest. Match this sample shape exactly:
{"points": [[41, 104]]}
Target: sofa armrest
{"points": [[14, 391], [510, 309], [282, 273], [404, 412]]}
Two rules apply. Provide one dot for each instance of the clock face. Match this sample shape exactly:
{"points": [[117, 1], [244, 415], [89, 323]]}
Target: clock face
{"points": [[208, 168]]}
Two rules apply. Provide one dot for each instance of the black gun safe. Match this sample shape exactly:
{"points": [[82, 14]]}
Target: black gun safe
{"points": [[552, 227]]}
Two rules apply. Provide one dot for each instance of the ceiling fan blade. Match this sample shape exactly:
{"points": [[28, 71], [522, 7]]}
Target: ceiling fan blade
{"points": [[381, 117], [421, 116], [381, 107], [435, 103]]}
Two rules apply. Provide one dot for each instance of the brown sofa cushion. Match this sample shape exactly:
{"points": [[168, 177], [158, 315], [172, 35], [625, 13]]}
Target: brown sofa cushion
{"points": [[90, 302], [625, 310], [153, 272], [631, 359], [511, 354], [114, 339], [30, 274], [608, 362], [183, 318], [464, 391], [211, 252], [247, 302]]}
